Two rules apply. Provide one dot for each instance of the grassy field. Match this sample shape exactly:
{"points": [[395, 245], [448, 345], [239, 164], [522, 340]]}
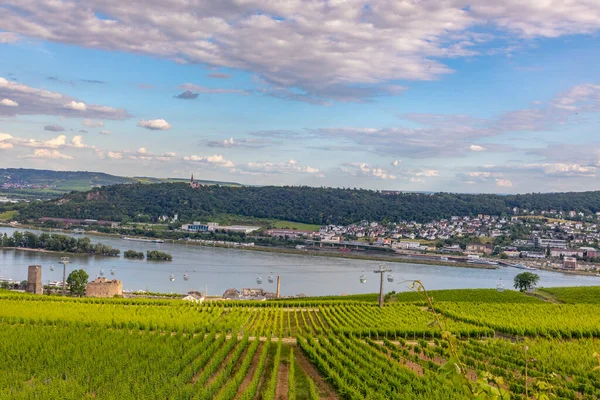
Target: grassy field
{"points": [[332, 347], [8, 215], [296, 225], [561, 221]]}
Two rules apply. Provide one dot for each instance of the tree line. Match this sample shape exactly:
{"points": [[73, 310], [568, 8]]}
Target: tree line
{"points": [[55, 242], [146, 203]]}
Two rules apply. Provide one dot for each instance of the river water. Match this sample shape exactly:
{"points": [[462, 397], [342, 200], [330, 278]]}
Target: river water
{"points": [[217, 269]]}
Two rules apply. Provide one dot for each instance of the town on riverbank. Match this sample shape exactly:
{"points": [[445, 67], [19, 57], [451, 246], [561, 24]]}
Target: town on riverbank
{"points": [[548, 239]]}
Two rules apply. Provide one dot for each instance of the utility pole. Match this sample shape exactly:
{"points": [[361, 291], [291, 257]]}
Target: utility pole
{"points": [[64, 261], [381, 271]]}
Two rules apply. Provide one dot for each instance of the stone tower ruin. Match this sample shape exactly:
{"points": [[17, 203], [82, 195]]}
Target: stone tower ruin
{"points": [[34, 279]]}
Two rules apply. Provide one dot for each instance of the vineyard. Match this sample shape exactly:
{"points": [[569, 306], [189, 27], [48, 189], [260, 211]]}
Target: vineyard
{"points": [[329, 348]]}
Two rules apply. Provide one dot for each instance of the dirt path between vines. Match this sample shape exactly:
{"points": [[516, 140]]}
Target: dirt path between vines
{"points": [[282, 389], [326, 391]]}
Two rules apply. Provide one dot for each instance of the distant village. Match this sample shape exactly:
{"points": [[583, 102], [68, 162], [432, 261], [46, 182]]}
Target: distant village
{"points": [[547, 238]]}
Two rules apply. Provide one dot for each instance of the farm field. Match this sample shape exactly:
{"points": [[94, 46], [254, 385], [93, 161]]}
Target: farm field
{"points": [[329, 348]]}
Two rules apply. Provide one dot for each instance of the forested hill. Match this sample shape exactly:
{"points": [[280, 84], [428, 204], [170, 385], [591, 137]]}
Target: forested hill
{"points": [[47, 184], [140, 202]]}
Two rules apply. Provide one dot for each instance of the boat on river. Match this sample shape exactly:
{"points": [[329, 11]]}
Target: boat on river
{"points": [[133, 239], [522, 266]]}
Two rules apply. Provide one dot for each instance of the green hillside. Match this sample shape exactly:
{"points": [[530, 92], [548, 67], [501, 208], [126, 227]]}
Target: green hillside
{"points": [[47, 184], [308, 205]]}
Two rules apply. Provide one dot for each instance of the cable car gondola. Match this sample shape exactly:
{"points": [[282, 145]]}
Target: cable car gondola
{"points": [[186, 277], [390, 278], [259, 280], [271, 279], [171, 277], [101, 272], [52, 267], [500, 287], [112, 271], [363, 279]]}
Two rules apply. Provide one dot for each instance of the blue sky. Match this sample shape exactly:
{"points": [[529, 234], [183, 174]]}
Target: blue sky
{"points": [[462, 96]]}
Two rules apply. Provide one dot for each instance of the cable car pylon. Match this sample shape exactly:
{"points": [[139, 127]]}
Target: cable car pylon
{"points": [[381, 271]]}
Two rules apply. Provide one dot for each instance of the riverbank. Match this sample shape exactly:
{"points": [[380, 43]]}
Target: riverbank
{"points": [[283, 250], [310, 251], [366, 257]]}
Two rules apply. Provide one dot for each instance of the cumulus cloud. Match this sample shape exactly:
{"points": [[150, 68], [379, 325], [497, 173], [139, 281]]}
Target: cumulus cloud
{"points": [[114, 155], [187, 95], [33, 101], [231, 142], [476, 147], [54, 128], [90, 123], [47, 153], [504, 183], [155, 124], [5, 141], [365, 170], [8, 103], [77, 141], [76, 105], [268, 167], [216, 160]]}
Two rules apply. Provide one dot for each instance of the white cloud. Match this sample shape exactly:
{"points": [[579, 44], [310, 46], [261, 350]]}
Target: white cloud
{"points": [[504, 183], [476, 147], [268, 167], [155, 124], [560, 169], [8, 37], [581, 97], [77, 141], [231, 143], [105, 132], [4, 141], [77, 106], [114, 155], [9, 103], [142, 150], [217, 160], [395, 163], [366, 170], [352, 45], [47, 153], [33, 101], [428, 173], [90, 123], [56, 142]]}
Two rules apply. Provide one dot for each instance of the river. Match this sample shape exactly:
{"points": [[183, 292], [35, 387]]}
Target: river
{"points": [[217, 269]]}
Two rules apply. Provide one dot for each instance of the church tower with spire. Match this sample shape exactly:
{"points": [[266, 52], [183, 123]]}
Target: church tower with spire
{"points": [[193, 183]]}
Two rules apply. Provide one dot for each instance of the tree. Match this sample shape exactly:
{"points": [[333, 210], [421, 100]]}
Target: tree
{"points": [[504, 256], [77, 281], [526, 280]]}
